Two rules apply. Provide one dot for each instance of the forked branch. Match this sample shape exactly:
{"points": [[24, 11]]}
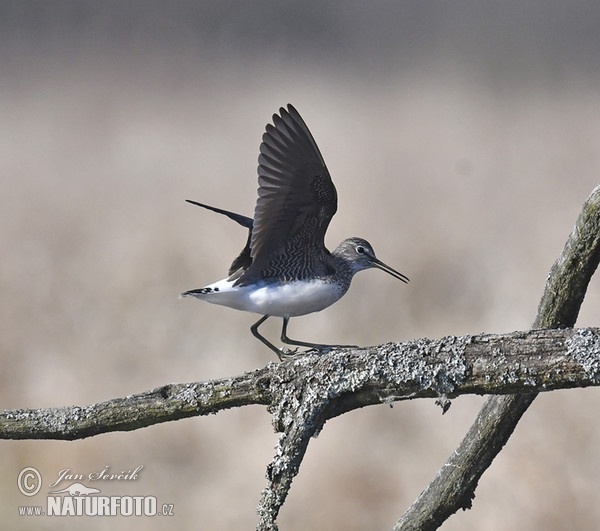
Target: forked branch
{"points": [[454, 485]]}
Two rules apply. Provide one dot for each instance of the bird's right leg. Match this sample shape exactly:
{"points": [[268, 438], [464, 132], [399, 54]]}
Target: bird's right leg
{"points": [[313, 346]]}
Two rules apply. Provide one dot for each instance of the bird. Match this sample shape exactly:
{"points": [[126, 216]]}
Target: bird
{"points": [[284, 269]]}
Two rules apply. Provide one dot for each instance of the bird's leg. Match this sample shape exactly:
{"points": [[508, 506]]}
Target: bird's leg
{"points": [[254, 330], [316, 346]]}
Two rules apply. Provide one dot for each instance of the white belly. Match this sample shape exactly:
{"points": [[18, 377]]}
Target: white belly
{"points": [[281, 300]]}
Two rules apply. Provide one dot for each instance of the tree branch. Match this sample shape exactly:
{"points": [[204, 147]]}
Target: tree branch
{"points": [[454, 486], [163, 404], [303, 393], [533, 361]]}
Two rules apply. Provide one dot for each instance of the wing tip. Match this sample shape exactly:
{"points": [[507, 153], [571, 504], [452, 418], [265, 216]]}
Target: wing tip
{"points": [[291, 111]]}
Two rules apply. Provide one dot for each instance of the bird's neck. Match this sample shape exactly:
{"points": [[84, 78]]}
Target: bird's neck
{"points": [[343, 269]]}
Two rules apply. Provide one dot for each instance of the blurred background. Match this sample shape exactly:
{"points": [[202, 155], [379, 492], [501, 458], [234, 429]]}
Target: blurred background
{"points": [[463, 139]]}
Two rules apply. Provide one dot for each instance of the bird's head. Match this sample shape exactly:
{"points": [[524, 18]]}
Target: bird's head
{"points": [[359, 255]]}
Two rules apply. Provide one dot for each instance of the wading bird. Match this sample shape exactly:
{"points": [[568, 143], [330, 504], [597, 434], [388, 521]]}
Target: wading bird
{"points": [[285, 270]]}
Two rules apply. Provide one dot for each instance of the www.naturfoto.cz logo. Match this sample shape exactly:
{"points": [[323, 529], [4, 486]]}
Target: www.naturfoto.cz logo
{"points": [[72, 495]]}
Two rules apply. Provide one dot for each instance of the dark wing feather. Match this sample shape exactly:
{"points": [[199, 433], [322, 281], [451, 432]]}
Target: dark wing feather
{"points": [[242, 220], [243, 261], [296, 197]]}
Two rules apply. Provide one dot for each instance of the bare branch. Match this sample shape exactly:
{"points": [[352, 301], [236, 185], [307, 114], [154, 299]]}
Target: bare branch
{"points": [[169, 402], [454, 486], [328, 386], [303, 393]]}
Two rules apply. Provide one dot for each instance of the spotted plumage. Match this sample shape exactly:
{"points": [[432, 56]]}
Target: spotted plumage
{"points": [[285, 270]]}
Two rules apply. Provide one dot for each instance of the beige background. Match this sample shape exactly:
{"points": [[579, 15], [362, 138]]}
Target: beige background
{"points": [[462, 139]]}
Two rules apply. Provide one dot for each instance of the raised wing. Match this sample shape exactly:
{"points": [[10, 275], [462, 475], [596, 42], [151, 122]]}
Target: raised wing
{"points": [[296, 198]]}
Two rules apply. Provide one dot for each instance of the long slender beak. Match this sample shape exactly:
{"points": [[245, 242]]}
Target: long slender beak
{"points": [[384, 267]]}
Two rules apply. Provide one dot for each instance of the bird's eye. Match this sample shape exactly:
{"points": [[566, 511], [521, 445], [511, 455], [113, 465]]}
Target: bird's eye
{"points": [[360, 249]]}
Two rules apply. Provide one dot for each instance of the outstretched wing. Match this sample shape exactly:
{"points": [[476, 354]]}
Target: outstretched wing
{"points": [[296, 197]]}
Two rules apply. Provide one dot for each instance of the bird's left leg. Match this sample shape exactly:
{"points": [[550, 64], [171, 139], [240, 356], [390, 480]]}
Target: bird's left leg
{"points": [[263, 339], [315, 346]]}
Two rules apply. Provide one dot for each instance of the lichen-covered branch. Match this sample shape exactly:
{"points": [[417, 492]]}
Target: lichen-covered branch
{"points": [[318, 388], [454, 486], [165, 403], [304, 392]]}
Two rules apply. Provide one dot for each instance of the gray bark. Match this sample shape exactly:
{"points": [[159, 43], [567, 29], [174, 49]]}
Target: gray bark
{"points": [[519, 362]]}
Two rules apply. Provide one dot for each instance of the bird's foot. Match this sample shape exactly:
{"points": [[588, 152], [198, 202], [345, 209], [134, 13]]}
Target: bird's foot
{"points": [[295, 352], [289, 353], [286, 353], [326, 349]]}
